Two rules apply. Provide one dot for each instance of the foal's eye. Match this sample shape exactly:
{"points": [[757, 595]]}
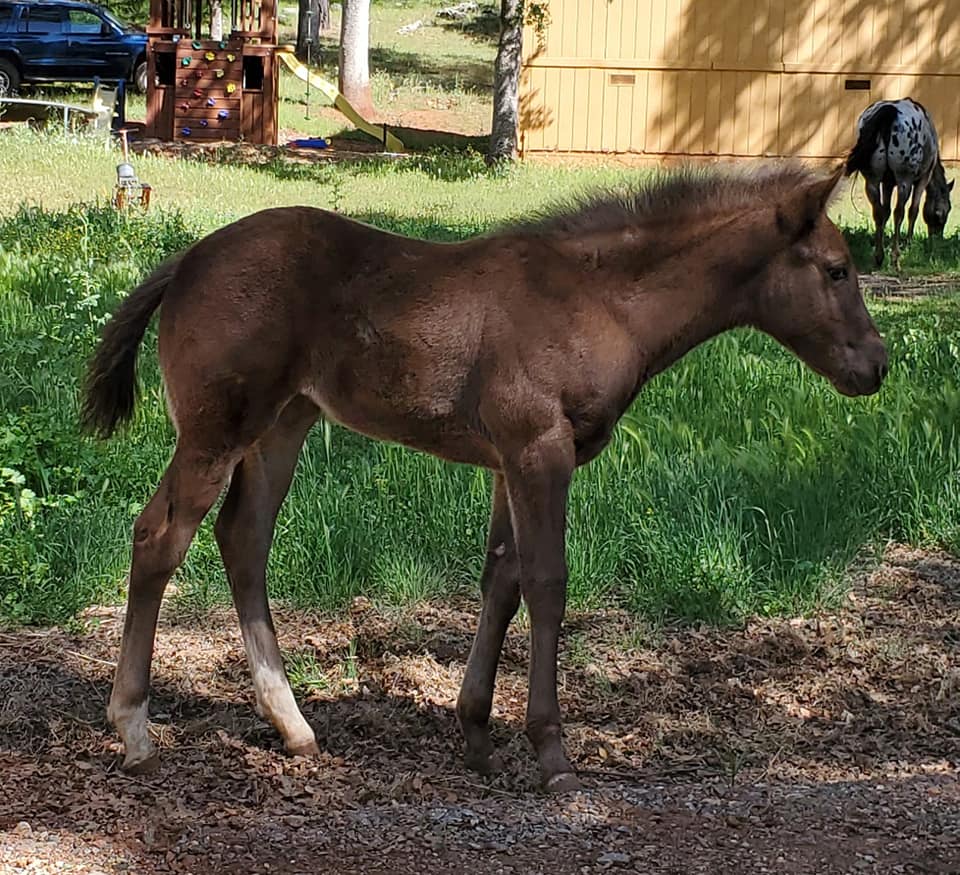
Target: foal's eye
{"points": [[837, 273]]}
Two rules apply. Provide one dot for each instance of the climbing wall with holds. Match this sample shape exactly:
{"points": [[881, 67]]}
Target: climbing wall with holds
{"points": [[208, 92]]}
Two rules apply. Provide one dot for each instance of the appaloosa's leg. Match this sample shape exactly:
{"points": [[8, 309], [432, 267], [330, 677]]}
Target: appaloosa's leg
{"points": [[881, 213], [161, 536], [538, 479], [903, 195], [913, 211], [244, 531], [500, 584]]}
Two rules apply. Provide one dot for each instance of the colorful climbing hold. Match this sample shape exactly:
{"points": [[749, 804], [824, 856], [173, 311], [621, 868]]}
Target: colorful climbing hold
{"points": [[222, 44], [218, 73], [197, 44], [210, 56], [231, 87], [211, 102], [197, 92], [203, 123], [231, 57], [184, 105], [186, 61], [186, 132], [223, 114]]}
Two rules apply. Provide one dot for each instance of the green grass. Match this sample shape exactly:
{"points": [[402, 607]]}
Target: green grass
{"points": [[738, 483]]}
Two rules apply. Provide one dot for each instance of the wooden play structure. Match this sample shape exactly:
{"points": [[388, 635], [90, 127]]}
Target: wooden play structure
{"points": [[201, 89]]}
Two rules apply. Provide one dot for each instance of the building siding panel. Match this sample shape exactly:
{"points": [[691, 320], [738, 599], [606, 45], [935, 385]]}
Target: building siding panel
{"points": [[733, 77]]}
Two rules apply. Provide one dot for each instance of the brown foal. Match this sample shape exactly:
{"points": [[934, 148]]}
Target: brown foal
{"points": [[517, 351]]}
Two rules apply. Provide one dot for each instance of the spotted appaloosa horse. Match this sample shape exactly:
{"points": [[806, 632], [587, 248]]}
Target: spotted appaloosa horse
{"points": [[897, 145], [517, 351]]}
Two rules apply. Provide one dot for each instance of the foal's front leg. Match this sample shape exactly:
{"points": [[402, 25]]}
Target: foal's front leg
{"points": [[538, 479]]}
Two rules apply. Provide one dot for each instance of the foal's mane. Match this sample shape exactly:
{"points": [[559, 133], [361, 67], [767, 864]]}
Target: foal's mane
{"points": [[679, 194]]}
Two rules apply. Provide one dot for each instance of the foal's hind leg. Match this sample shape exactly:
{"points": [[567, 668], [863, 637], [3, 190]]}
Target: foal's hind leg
{"points": [[500, 584], [162, 534], [244, 531]]}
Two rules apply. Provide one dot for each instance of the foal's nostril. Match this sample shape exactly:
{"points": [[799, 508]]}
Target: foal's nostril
{"points": [[882, 371]]}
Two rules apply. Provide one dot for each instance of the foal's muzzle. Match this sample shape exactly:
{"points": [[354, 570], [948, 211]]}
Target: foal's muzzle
{"points": [[866, 370]]}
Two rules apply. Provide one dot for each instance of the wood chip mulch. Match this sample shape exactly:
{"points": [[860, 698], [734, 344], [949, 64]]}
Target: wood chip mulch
{"points": [[820, 744]]}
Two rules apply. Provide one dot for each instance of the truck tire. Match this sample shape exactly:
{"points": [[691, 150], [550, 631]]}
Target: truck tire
{"points": [[9, 78], [140, 76]]}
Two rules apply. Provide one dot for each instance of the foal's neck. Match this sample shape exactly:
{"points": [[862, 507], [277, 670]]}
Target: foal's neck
{"points": [[675, 287]]}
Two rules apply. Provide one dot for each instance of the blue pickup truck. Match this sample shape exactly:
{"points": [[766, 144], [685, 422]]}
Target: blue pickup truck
{"points": [[67, 41]]}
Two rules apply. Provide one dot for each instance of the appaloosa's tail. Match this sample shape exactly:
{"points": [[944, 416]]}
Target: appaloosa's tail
{"points": [[876, 128], [111, 384]]}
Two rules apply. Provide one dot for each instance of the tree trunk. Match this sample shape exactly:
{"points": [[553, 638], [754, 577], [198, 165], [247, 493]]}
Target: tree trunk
{"points": [[216, 19], [355, 54], [506, 83], [311, 26]]}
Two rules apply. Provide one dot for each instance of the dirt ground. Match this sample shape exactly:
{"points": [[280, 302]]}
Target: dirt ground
{"points": [[821, 744]]}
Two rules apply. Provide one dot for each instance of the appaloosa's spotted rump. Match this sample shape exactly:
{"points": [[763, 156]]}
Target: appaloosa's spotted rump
{"points": [[897, 147]]}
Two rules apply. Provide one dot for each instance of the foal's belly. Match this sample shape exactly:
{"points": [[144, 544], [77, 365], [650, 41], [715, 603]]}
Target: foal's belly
{"points": [[447, 439], [424, 411]]}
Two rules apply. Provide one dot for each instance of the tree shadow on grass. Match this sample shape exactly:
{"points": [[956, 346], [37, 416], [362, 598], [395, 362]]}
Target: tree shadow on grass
{"points": [[447, 72], [482, 26]]}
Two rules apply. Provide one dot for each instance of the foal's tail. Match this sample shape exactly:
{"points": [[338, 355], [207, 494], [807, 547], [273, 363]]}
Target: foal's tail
{"points": [[877, 127], [111, 384]]}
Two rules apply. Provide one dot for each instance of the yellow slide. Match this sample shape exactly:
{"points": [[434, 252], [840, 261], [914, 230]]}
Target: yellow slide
{"points": [[332, 93]]}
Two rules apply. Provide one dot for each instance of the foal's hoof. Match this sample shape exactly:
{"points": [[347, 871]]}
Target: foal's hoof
{"points": [[308, 749], [562, 782], [483, 763], [143, 766]]}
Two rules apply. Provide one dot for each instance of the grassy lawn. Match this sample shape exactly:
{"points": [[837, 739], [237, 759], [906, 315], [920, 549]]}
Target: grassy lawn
{"points": [[458, 191], [738, 483]]}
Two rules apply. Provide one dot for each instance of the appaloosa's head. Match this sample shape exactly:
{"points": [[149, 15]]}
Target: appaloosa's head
{"points": [[811, 301], [936, 201]]}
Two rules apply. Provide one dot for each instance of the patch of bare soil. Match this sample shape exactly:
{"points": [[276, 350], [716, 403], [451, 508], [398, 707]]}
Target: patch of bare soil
{"points": [[887, 285], [339, 149], [822, 744]]}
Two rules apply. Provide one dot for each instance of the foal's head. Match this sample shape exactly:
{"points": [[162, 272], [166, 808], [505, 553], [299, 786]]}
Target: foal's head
{"points": [[936, 202], [812, 302]]}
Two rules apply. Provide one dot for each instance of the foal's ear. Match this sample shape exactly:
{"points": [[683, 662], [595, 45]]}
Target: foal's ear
{"points": [[799, 213]]}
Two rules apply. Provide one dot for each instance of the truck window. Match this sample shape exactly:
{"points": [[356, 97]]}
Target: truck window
{"points": [[6, 16], [41, 19], [84, 21]]}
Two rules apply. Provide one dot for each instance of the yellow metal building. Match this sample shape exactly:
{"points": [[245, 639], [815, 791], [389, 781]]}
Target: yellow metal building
{"points": [[733, 77]]}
